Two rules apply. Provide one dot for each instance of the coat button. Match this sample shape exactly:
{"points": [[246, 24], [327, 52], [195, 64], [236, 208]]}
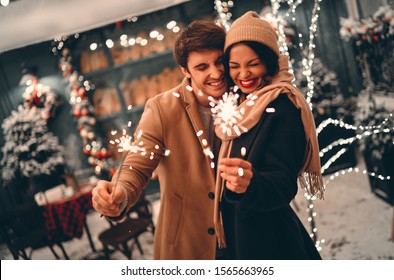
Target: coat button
{"points": [[211, 195], [211, 231]]}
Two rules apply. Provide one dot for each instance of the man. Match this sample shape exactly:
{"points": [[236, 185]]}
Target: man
{"points": [[176, 135]]}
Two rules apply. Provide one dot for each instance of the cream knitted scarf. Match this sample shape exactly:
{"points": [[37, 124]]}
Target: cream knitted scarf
{"points": [[309, 176]]}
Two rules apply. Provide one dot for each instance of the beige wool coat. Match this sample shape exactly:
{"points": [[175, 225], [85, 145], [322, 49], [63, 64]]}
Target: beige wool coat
{"points": [[185, 227]]}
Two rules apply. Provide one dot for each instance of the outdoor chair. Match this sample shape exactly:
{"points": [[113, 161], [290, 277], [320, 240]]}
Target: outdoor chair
{"points": [[123, 236]]}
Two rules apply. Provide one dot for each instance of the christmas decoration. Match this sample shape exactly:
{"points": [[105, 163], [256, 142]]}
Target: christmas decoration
{"points": [[30, 151], [41, 96], [82, 110], [374, 47]]}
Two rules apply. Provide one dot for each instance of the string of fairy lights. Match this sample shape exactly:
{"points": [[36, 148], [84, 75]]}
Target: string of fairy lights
{"points": [[356, 170], [307, 63], [365, 132], [333, 159], [341, 123], [275, 4], [309, 53], [224, 15]]}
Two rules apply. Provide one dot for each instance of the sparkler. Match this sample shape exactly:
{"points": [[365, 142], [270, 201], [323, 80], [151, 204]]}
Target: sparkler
{"points": [[126, 144], [226, 114], [117, 176]]}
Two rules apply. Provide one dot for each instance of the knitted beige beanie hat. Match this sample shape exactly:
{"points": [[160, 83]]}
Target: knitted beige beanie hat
{"points": [[250, 27]]}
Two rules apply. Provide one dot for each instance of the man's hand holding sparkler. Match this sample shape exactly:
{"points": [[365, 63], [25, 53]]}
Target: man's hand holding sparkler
{"points": [[106, 202], [237, 173]]}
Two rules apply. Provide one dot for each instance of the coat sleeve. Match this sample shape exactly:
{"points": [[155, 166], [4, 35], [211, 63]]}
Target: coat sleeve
{"points": [[276, 155], [144, 157]]}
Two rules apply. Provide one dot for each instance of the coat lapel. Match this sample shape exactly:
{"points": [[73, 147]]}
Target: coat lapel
{"points": [[246, 140], [194, 116]]}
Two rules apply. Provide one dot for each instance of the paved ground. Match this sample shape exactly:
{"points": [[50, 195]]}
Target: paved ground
{"points": [[354, 223]]}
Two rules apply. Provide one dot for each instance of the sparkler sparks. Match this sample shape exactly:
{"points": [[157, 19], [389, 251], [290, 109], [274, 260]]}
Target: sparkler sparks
{"points": [[125, 143], [208, 152], [226, 114]]}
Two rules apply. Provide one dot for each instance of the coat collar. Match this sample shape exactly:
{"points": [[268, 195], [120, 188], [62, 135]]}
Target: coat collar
{"points": [[187, 96]]}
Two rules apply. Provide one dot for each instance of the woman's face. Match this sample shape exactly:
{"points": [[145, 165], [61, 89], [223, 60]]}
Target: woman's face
{"points": [[246, 69]]}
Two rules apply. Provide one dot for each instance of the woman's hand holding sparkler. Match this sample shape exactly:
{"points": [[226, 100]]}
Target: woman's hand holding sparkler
{"points": [[237, 172], [105, 201]]}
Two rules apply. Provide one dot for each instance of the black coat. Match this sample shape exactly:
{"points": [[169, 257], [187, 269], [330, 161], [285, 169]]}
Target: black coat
{"points": [[260, 224]]}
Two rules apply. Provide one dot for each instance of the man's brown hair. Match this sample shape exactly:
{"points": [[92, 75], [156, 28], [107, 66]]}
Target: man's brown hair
{"points": [[197, 36]]}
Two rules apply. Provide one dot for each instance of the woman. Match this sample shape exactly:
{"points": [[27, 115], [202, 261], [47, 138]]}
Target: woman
{"points": [[254, 188]]}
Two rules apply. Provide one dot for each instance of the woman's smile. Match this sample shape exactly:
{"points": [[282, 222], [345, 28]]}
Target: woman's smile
{"points": [[248, 83]]}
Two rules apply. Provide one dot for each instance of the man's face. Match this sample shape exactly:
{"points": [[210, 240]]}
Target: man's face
{"points": [[206, 71]]}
